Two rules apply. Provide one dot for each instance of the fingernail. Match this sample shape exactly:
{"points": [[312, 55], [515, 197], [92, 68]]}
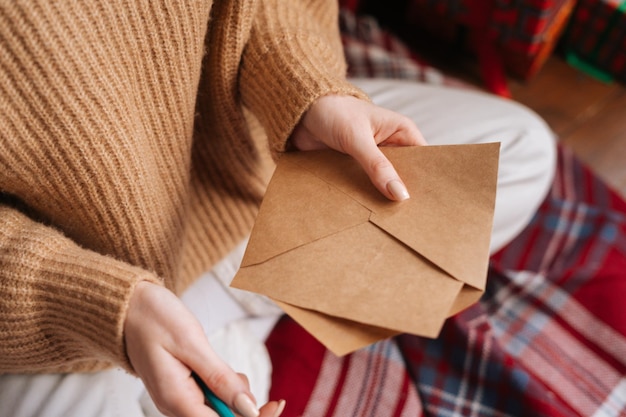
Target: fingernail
{"points": [[245, 406], [397, 190], [280, 408]]}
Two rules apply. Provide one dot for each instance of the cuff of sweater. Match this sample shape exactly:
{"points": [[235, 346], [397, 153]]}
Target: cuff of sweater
{"points": [[93, 303], [74, 308], [281, 88]]}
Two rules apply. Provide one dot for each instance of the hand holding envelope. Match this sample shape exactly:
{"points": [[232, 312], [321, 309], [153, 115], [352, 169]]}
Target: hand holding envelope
{"points": [[353, 267]]}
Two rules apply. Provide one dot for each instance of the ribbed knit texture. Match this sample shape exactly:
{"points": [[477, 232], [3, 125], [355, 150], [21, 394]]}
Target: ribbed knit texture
{"points": [[125, 153]]}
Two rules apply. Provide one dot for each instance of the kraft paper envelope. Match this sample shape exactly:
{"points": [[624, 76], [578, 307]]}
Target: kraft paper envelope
{"points": [[353, 267]]}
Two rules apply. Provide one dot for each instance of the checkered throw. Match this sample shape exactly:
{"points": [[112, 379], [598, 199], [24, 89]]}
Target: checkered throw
{"points": [[548, 338]]}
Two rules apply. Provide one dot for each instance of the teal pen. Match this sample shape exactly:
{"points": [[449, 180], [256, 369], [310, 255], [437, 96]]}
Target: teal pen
{"points": [[213, 401]]}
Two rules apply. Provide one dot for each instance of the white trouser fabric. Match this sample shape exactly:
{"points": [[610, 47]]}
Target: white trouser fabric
{"points": [[238, 322]]}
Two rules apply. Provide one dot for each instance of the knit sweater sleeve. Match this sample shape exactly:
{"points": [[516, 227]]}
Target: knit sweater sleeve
{"points": [[91, 174], [61, 306], [294, 56]]}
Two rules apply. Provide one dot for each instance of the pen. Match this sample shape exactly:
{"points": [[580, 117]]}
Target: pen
{"points": [[213, 401]]}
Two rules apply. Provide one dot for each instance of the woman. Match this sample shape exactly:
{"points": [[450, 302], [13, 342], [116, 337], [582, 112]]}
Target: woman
{"points": [[137, 138]]}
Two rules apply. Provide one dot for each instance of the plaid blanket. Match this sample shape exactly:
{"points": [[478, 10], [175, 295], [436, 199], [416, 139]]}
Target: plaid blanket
{"points": [[548, 338], [373, 52]]}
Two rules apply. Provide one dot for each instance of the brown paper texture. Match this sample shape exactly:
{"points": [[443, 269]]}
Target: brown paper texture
{"points": [[353, 267]]}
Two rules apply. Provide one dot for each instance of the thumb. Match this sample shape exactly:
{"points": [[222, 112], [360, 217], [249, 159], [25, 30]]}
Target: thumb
{"points": [[214, 375], [380, 171], [223, 388]]}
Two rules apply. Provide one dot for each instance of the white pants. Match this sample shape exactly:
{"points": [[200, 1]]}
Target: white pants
{"points": [[231, 318]]}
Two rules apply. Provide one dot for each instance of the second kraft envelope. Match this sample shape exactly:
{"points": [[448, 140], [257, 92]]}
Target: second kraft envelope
{"points": [[352, 267]]}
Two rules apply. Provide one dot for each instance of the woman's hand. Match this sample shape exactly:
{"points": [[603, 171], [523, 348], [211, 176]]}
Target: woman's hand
{"points": [[356, 127], [165, 343]]}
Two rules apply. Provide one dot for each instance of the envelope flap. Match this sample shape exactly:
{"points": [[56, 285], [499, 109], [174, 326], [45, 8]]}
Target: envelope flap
{"points": [[448, 218], [343, 172], [360, 275], [299, 207], [340, 336], [326, 242]]}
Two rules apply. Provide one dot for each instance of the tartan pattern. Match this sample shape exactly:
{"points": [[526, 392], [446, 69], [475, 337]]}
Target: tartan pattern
{"points": [[548, 338], [373, 52], [521, 25], [372, 382], [597, 33]]}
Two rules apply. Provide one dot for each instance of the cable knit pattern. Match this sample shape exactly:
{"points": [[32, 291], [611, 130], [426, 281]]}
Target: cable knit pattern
{"points": [[126, 153]]}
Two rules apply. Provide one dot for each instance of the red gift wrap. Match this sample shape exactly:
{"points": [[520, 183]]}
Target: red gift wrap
{"points": [[596, 38], [507, 36]]}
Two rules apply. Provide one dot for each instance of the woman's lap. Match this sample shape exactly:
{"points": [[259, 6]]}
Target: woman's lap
{"points": [[444, 116]]}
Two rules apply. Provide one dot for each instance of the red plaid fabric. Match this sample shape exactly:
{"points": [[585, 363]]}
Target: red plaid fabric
{"points": [[521, 25], [371, 382], [547, 339]]}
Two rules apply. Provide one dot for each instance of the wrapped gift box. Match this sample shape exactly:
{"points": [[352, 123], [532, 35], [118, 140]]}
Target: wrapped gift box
{"points": [[524, 32], [526, 26], [595, 40], [518, 26], [512, 36], [527, 44]]}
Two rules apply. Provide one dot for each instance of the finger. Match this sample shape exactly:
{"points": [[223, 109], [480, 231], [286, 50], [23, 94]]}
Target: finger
{"points": [[405, 132], [380, 171], [246, 381], [227, 385], [175, 393], [273, 409], [303, 140], [244, 378], [196, 353], [403, 137]]}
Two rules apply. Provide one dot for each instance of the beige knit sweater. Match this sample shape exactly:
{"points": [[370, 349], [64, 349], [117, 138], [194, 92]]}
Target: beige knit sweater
{"points": [[125, 152]]}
